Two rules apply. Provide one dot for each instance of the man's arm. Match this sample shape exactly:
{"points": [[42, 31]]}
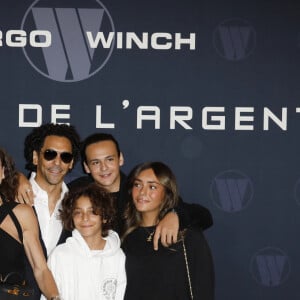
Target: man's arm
{"points": [[194, 215], [184, 215]]}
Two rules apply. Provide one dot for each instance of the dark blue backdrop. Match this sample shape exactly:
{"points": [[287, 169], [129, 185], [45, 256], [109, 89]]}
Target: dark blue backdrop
{"points": [[218, 82]]}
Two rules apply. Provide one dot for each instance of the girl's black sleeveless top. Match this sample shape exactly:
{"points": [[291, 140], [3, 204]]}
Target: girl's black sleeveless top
{"points": [[12, 253]]}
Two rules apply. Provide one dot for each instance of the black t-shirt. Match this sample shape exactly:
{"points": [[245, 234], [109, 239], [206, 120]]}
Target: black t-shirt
{"points": [[162, 275]]}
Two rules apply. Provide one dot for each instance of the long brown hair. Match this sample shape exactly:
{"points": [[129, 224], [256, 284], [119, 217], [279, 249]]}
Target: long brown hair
{"points": [[9, 185], [166, 178]]}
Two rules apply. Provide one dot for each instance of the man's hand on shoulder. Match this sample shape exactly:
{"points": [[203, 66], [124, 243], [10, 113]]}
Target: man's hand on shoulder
{"points": [[24, 193], [167, 230]]}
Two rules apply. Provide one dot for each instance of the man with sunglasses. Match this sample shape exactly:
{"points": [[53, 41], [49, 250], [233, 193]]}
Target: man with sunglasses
{"points": [[51, 151]]}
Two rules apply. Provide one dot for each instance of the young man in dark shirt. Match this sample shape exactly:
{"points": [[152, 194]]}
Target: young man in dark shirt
{"points": [[102, 160]]}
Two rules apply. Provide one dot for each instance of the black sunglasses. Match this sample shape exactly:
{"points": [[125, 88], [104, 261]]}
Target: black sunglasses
{"points": [[50, 154]]}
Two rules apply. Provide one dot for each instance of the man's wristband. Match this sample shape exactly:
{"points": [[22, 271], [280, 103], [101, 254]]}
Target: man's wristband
{"points": [[55, 298]]}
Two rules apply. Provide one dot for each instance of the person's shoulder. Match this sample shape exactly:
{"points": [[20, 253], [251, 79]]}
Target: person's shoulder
{"points": [[23, 210], [113, 234], [131, 239], [26, 217], [122, 256], [80, 181], [113, 239], [60, 256], [120, 253], [61, 250]]}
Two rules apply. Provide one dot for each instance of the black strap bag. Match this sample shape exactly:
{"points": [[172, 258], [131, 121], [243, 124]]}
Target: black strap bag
{"points": [[10, 291], [13, 286]]}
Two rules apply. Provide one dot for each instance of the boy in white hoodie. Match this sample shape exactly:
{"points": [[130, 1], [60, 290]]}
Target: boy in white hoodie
{"points": [[91, 264]]}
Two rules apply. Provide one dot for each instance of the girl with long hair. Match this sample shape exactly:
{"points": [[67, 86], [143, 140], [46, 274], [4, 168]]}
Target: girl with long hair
{"points": [[184, 270]]}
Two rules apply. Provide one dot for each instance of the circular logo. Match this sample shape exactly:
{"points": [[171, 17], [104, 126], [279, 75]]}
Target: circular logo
{"points": [[231, 191], [80, 38], [109, 288], [234, 39], [270, 266]]}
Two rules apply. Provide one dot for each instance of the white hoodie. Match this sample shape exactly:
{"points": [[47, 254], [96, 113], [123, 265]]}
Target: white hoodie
{"points": [[83, 274]]}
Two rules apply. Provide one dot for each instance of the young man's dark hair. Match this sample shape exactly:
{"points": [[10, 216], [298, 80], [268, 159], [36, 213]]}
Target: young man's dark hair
{"points": [[35, 141], [95, 138]]}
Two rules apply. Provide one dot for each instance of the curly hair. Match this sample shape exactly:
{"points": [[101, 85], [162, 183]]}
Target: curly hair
{"points": [[166, 178], [35, 141], [101, 200], [9, 185]]}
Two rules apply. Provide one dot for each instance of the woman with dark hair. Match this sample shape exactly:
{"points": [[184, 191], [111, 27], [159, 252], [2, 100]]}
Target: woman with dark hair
{"points": [[90, 265], [19, 235], [182, 271]]}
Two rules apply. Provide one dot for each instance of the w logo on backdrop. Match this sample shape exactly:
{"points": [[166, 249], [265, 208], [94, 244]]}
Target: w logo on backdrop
{"points": [[232, 191], [234, 39], [70, 56], [270, 267]]}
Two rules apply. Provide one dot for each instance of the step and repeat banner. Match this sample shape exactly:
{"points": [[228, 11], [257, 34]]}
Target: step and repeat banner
{"points": [[212, 88]]}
